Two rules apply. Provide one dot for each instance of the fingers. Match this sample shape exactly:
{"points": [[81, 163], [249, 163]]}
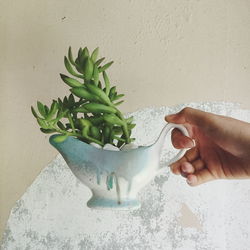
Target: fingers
{"points": [[191, 116], [198, 165], [192, 168], [187, 168], [200, 177], [191, 155], [180, 141]]}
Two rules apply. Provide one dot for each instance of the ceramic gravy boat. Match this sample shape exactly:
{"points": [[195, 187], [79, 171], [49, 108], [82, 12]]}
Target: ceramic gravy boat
{"points": [[115, 177]]}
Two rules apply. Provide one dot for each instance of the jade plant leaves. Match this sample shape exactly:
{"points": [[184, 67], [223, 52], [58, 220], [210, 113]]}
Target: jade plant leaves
{"points": [[90, 112]]}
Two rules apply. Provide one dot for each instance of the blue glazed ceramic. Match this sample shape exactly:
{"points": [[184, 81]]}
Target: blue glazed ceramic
{"points": [[114, 177]]}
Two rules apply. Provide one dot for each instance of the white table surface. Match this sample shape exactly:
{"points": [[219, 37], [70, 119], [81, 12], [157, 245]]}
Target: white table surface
{"points": [[52, 214]]}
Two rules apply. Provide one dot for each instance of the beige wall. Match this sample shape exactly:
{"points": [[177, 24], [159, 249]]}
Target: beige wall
{"points": [[165, 53]]}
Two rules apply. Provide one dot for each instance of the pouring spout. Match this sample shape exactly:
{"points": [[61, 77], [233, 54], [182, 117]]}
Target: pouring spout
{"points": [[60, 146], [71, 148]]}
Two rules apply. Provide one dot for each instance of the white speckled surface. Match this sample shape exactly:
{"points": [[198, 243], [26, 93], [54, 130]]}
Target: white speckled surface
{"points": [[52, 214]]}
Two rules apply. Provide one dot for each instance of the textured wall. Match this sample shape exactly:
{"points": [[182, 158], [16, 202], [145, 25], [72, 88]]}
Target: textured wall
{"points": [[165, 52]]}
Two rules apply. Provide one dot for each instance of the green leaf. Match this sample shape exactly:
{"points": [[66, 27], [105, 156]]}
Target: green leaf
{"points": [[118, 103], [99, 108], [60, 138], [59, 116], [53, 110], [98, 92], [98, 62], [42, 123], [106, 133], [60, 102], [85, 52], [70, 81], [96, 75], [95, 132], [106, 66], [81, 110], [99, 85], [107, 82], [79, 53], [112, 93], [88, 69], [79, 68], [118, 97], [34, 112], [65, 101], [70, 56], [71, 100], [131, 126], [117, 130], [41, 109], [94, 54], [60, 125], [119, 138], [96, 120], [48, 131], [70, 69], [113, 119], [83, 57], [129, 120], [83, 93], [85, 122], [46, 109]]}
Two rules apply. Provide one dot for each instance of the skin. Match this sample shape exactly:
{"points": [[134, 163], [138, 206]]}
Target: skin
{"points": [[221, 149]]}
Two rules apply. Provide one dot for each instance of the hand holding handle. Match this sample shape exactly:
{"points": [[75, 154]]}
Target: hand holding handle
{"points": [[163, 135]]}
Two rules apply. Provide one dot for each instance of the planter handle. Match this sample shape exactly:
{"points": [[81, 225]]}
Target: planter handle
{"points": [[161, 139]]}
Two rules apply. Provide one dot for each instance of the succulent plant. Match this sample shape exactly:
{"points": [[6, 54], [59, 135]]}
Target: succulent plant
{"points": [[90, 112]]}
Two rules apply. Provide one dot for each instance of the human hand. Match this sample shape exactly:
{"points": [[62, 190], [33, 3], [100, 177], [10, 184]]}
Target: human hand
{"points": [[222, 149]]}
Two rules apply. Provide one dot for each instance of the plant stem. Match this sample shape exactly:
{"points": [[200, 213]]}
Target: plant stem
{"points": [[71, 123], [124, 127]]}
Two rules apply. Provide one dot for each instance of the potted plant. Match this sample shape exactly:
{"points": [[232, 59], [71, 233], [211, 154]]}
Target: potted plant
{"points": [[90, 112], [87, 122]]}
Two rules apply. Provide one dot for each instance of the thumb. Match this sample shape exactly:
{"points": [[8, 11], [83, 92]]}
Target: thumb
{"points": [[189, 115], [200, 177]]}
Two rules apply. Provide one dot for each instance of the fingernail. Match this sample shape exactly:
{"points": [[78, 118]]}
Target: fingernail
{"points": [[191, 179], [184, 167], [169, 117], [190, 144]]}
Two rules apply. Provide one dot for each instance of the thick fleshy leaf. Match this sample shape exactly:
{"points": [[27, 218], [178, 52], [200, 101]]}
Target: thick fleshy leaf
{"points": [[84, 93], [96, 75], [99, 108], [98, 92], [34, 112], [70, 56], [118, 103], [88, 69], [107, 82], [70, 69], [41, 109], [53, 110], [48, 131], [99, 61], [113, 119], [94, 54], [105, 67], [60, 138], [70, 81]]}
